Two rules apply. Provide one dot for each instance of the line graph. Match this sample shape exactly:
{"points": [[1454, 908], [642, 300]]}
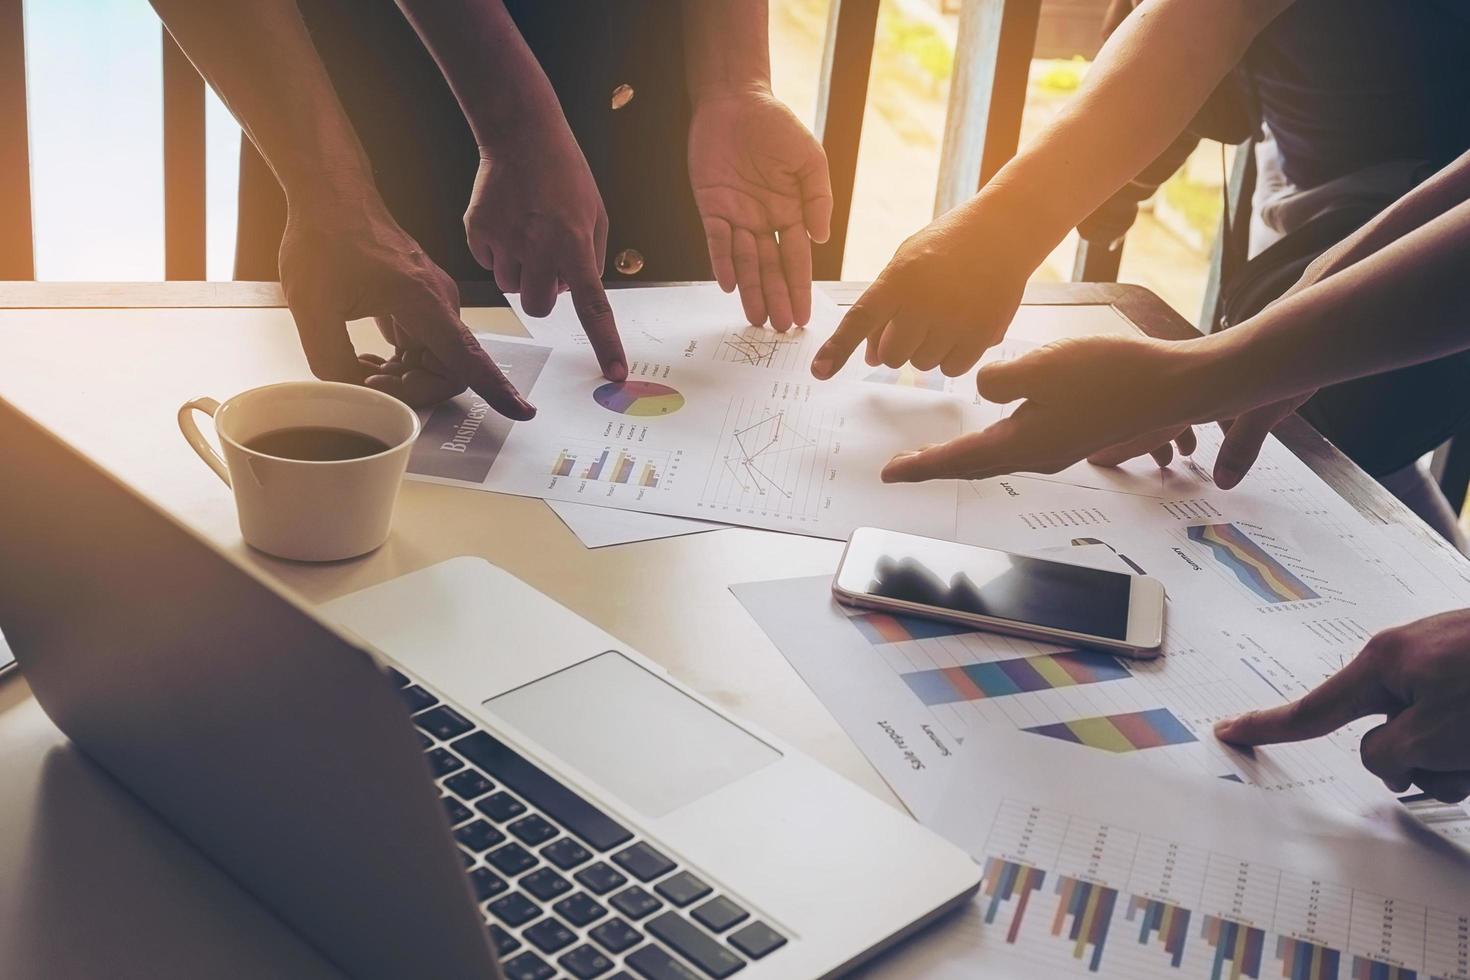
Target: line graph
{"points": [[772, 458], [760, 347]]}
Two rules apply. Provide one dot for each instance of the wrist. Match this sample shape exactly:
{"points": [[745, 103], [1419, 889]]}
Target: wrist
{"points": [[335, 200], [755, 89], [1203, 376]]}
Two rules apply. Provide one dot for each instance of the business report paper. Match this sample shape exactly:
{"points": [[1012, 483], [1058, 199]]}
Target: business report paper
{"points": [[1136, 874]]}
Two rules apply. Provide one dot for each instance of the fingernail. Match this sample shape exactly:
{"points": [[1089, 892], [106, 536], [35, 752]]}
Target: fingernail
{"points": [[616, 371], [528, 411], [1222, 728], [822, 367]]}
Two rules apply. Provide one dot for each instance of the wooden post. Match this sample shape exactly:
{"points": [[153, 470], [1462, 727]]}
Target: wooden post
{"points": [[841, 99], [183, 165], [17, 246]]}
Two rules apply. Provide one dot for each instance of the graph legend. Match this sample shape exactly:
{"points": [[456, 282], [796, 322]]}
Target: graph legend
{"points": [[1001, 678], [1122, 733]]}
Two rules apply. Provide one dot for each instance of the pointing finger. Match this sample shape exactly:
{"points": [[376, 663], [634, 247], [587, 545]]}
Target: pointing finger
{"points": [[1356, 691], [596, 315], [866, 317], [441, 330]]}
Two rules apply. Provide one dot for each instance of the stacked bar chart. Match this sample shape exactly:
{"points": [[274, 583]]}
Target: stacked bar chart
{"points": [[1127, 732], [881, 628], [611, 464], [1161, 921], [563, 465], [1001, 678], [1083, 916], [1006, 882], [1238, 948], [1301, 960]]}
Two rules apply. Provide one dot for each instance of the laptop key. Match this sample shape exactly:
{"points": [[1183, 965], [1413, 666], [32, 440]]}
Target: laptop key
{"points": [[443, 762], [643, 862], [585, 962], [691, 942], [757, 940], [527, 966], [533, 831], [580, 909], [399, 677], [467, 858], [598, 878], [424, 740], [615, 935], [481, 836], [469, 785], [595, 828], [511, 859], [682, 889], [514, 910], [417, 698], [457, 812], [443, 722], [545, 884], [549, 935], [565, 853], [653, 963], [486, 884], [504, 942], [635, 903], [719, 914], [501, 806]]}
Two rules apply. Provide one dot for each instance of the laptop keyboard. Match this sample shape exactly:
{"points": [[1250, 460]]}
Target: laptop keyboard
{"points": [[566, 890]]}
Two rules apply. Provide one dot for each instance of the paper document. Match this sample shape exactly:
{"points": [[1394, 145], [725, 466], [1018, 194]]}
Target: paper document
{"points": [[6, 657], [599, 527], [1095, 867]]}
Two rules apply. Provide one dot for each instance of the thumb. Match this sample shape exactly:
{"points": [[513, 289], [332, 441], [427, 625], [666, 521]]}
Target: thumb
{"points": [[1022, 377], [1242, 445]]}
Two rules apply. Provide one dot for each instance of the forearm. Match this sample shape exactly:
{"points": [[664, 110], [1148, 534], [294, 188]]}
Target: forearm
{"points": [[1145, 86], [500, 85], [1404, 304], [260, 59], [726, 47]]}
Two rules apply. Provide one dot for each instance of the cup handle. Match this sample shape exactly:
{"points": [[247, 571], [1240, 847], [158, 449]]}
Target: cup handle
{"points": [[196, 438]]}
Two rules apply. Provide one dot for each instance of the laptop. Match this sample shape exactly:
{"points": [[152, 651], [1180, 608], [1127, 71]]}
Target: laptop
{"points": [[448, 775]]}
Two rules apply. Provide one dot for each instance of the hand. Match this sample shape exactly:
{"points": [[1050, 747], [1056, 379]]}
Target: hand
{"points": [[1419, 676], [346, 259], [536, 220], [760, 182], [947, 294], [1097, 397]]}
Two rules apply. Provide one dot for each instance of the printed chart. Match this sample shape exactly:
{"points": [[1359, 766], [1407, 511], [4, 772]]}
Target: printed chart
{"points": [[1072, 895], [611, 464], [773, 458], [1250, 564], [638, 398], [759, 347]]}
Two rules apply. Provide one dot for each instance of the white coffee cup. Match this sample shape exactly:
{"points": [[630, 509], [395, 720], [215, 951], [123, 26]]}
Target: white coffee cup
{"points": [[308, 510]]}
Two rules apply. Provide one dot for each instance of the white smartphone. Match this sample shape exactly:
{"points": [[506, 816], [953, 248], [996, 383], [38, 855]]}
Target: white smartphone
{"points": [[1001, 592]]}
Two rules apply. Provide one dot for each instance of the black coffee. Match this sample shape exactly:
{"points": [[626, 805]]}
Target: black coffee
{"points": [[316, 443]]}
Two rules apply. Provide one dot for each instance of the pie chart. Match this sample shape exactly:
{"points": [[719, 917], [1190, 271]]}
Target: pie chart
{"points": [[642, 398]]}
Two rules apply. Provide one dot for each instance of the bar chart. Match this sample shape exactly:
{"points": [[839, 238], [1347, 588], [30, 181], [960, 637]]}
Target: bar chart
{"points": [[1127, 732], [596, 463], [1067, 895], [1000, 678], [1259, 571]]}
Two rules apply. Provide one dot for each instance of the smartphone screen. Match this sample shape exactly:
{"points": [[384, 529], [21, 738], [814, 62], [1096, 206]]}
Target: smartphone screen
{"points": [[979, 581]]}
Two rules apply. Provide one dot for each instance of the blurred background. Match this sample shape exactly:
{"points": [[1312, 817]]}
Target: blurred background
{"points": [[95, 92]]}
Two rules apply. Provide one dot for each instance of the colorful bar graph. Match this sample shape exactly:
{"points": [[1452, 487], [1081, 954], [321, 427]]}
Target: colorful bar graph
{"points": [[1089, 907], [1251, 565], [1005, 881], [881, 628], [595, 470], [1001, 678], [563, 465], [623, 468], [1366, 969], [1169, 922], [1122, 733], [649, 476], [1301, 960], [1239, 945]]}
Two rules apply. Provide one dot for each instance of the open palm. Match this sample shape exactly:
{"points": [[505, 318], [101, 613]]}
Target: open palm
{"points": [[760, 181]]}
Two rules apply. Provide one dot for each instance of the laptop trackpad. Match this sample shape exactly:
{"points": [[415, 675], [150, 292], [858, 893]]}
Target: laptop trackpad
{"points": [[649, 743]]}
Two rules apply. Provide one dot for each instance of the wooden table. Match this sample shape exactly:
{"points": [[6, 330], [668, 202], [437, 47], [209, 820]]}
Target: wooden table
{"points": [[107, 365]]}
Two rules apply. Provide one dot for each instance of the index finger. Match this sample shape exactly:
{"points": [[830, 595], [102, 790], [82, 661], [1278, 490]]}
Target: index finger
{"points": [[872, 311], [975, 456], [1356, 691], [589, 299], [446, 336]]}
